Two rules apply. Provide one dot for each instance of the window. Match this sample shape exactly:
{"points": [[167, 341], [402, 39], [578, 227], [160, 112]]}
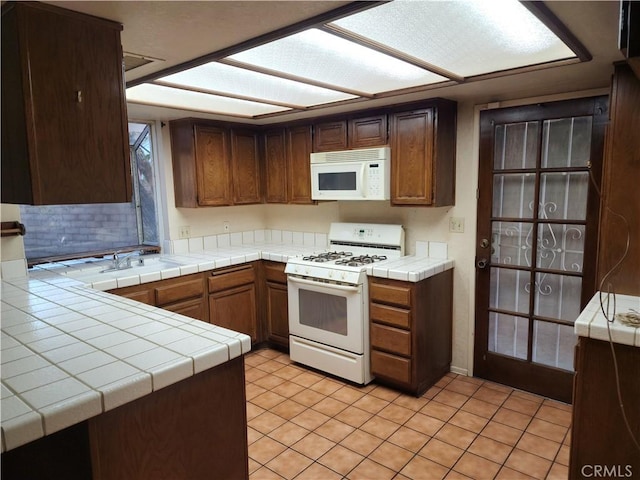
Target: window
{"points": [[78, 230]]}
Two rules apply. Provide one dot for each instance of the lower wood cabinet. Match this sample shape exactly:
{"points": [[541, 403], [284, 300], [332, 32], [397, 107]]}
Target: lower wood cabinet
{"points": [[276, 304], [233, 300], [410, 331], [184, 295], [599, 436]]}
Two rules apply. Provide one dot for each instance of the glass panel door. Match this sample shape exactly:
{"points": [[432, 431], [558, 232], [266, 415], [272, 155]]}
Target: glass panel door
{"points": [[535, 222]]}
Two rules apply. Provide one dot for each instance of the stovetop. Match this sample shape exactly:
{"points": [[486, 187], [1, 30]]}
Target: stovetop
{"points": [[352, 247], [346, 258]]}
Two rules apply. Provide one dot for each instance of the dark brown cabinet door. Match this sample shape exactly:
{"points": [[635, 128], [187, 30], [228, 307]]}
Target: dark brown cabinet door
{"points": [[298, 164], [412, 158], [368, 131], [245, 161], [275, 167], [64, 124], [235, 309], [192, 308], [277, 313], [330, 136], [213, 171]]}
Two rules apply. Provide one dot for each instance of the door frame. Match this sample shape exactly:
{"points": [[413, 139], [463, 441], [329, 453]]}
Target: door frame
{"points": [[547, 381]]}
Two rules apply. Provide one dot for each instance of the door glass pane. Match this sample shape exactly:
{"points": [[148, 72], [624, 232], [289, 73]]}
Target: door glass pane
{"points": [[563, 196], [553, 344], [561, 247], [337, 181], [510, 290], [566, 142], [511, 243], [508, 335], [145, 187], [513, 195], [516, 145], [557, 296], [323, 311]]}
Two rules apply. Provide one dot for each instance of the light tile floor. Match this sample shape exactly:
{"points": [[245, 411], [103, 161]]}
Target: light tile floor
{"points": [[304, 425]]}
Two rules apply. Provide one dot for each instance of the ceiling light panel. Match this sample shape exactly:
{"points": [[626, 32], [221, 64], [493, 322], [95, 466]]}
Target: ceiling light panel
{"points": [[184, 99], [466, 37], [222, 78], [326, 58]]}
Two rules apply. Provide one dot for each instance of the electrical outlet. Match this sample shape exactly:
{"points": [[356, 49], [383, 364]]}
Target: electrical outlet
{"points": [[226, 227], [456, 224], [185, 231]]}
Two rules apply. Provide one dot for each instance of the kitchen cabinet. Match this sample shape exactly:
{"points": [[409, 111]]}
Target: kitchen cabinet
{"points": [[276, 304], [599, 436], [245, 160], [275, 166], [64, 121], [233, 299], [410, 331], [358, 132], [423, 155], [214, 165], [184, 295], [298, 151], [620, 193]]}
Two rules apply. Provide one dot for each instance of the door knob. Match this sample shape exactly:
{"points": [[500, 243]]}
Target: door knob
{"points": [[482, 263]]}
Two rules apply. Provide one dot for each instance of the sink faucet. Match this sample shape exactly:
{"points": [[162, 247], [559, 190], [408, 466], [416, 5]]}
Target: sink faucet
{"points": [[120, 258]]}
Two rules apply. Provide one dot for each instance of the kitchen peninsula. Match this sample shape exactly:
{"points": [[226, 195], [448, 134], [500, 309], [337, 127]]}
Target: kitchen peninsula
{"points": [[127, 387]]}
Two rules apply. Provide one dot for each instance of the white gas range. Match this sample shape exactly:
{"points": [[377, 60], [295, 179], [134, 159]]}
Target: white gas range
{"points": [[329, 300]]}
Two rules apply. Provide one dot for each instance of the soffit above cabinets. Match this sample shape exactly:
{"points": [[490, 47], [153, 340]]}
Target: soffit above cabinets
{"points": [[380, 49]]}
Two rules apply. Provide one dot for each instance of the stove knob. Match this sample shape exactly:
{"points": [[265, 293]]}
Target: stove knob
{"points": [[330, 274]]}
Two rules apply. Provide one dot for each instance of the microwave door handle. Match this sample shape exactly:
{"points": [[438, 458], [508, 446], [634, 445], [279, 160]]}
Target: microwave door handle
{"points": [[302, 281], [363, 178]]}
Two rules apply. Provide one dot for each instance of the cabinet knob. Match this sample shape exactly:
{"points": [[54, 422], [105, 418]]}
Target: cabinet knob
{"points": [[79, 96]]}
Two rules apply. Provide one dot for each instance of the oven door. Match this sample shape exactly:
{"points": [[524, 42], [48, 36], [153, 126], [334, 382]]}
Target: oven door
{"points": [[330, 314], [338, 181]]}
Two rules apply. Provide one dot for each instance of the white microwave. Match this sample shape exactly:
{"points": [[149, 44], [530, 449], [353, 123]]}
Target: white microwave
{"points": [[361, 174]]}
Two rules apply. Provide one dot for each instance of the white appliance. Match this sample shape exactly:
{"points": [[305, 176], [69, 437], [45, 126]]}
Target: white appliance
{"points": [[361, 174], [329, 299]]}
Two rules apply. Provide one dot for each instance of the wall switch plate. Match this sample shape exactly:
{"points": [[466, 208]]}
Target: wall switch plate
{"points": [[226, 227], [456, 224], [185, 232]]}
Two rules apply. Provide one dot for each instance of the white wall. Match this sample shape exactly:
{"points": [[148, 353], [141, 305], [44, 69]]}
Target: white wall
{"points": [[11, 248]]}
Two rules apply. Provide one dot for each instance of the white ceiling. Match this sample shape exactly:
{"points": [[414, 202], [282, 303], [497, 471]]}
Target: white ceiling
{"points": [[178, 31]]}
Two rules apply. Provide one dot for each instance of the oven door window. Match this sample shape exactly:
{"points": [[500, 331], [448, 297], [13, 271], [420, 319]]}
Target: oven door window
{"points": [[341, 181], [323, 311]]}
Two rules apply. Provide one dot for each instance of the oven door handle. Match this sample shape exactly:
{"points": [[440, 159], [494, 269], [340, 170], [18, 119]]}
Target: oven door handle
{"points": [[302, 281]]}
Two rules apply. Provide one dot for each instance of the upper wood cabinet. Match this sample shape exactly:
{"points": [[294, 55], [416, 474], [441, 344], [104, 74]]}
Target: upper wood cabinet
{"points": [[275, 167], [361, 132], [298, 164], [64, 122], [245, 161], [330, 136], [423, 155], [286, 165], [214, 165]]}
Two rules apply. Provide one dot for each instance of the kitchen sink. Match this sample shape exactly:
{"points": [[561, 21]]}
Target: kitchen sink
{"points": [[102, 269]]}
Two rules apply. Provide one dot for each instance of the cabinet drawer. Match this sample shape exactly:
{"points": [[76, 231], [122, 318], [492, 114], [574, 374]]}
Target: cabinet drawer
{"points": [[396, 294], [390, 366], [398, 317], [275, 272], [231, 278], [143, 296], [390, 339], [190, 308], [179, 291]]}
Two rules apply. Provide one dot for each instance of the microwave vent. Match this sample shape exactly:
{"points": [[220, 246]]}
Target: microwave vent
{"points": [[359, 155]]}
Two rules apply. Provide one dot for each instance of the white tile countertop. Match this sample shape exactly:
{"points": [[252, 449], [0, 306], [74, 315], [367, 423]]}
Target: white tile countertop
{"points": [[71, 351], [591, 322]]}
